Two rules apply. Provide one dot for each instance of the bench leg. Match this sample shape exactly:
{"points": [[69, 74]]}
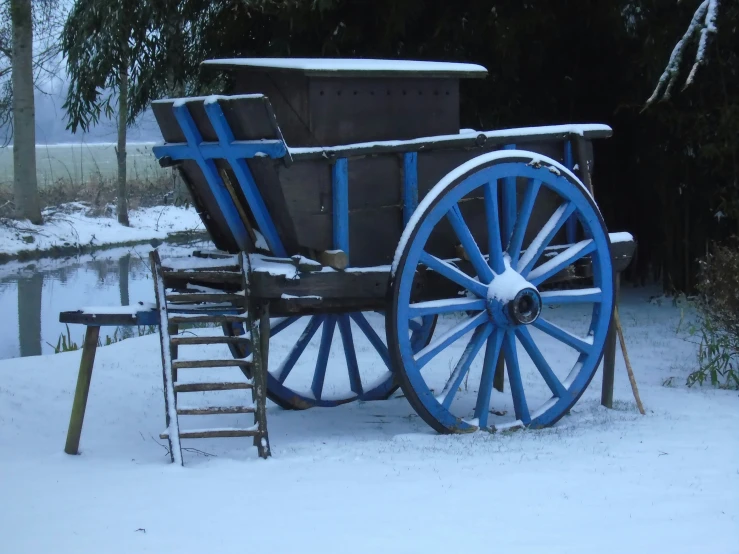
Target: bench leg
{"points": [[609, 356], [83, 388]]}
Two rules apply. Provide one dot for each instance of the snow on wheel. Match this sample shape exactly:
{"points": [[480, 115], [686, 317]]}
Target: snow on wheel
{"points": [[508, 299], [304, 371]]}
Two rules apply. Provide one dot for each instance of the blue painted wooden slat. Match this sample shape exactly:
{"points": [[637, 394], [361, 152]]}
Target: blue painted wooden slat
{"points": [[410, 185], [340, 192], [571, 229], [210, 172], [508, 205], [246, 180], [214, 150]]}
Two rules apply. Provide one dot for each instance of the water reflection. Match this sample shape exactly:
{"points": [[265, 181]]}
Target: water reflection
{"points": [[33, 294]]}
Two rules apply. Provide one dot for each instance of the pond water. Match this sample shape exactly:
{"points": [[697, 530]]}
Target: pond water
{"points": [[33, 293]]}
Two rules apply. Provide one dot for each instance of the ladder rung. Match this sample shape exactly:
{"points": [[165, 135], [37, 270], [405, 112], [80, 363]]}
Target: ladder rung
{"points": [[206, 318], [215, 410], [208, 276], [186, 364], [204, 297], [201, 387], [183, 341], [215, 433]]}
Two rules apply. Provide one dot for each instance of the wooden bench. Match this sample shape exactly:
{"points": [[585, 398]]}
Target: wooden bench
{"points": [[93, 319]]}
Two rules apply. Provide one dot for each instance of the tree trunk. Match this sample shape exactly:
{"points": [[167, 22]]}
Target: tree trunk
{"points": [[25, 187], [121, 151]]}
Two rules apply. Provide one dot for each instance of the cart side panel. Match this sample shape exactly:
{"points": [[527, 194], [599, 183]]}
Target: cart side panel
{"points": [[348, 110], [375, 220], [288, 95]]}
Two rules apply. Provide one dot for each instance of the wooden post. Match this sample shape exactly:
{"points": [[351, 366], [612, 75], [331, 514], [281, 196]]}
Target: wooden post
{"points": [[609, 355], [260, 326], [83, 388], [172, 330]]}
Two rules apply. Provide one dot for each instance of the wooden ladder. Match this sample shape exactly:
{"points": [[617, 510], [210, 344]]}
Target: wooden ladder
{"points": [[220, 296]]}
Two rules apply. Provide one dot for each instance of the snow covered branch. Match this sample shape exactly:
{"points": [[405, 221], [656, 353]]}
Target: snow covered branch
{"points": [[703, 25]]}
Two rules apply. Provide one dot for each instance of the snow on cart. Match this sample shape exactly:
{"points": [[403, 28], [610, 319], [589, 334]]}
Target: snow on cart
{"points": [[346, 205]]}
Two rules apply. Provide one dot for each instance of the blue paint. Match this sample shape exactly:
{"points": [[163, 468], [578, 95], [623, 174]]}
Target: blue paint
{"points": [[428, 353], [492, 351], [508, 204], [210, 172], [214, 150], [479, 337], [345, 329], [319, 375], [297, 350], [340, 193], [563, 260], [463, 233], [574, 201], [372, 336], [569, 208], [492, 218], [552, 381], [410, 185], [514, 378], [244, 177], [519, 230], [571, 229]]}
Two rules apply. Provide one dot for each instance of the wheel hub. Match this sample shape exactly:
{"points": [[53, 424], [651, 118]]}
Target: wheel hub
{"points": [[512, 300]]}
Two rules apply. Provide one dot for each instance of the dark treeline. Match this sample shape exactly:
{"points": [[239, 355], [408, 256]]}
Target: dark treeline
{"points": [[670, 174]]}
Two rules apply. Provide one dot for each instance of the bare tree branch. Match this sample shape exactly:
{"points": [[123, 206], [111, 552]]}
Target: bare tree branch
{"points": [[702, 25]]}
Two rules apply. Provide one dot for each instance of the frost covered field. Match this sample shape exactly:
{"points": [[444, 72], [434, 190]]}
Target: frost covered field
{"points": [[372, 477], [79, 162]]}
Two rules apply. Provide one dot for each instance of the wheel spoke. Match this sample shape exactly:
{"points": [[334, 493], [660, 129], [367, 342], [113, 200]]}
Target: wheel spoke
{"points": [[541, 364], [522, 221], [575, 296], [509, 207], [372, 336], [289, 362], [468, 243], [492, 351], [561, 261], [451, 336], [319, 376], [463, 365], [282, 324], [493, 223], [514, 378], [582, 345], [445, 306], [545, 236], [345, 329], [454, 274]]}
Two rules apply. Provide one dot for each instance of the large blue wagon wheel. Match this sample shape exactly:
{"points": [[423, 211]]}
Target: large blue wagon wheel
{"points": [[301, 376], [497, 302]]}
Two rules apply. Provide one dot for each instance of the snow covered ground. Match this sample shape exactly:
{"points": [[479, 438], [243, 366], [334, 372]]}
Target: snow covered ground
{"points": [[69, 225], [372, 477]]}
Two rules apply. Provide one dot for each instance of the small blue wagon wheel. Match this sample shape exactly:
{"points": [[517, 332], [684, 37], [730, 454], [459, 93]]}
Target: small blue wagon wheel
{"points": [[497, 298], [301, 375]]}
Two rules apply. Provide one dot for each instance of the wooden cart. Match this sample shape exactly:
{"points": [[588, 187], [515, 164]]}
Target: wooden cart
{"points": [[357, 203]]}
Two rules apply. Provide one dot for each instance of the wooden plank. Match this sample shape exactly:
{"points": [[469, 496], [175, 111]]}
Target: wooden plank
{"points": [[147, 317], [187, 364], [206, 387], [82, 390], [214, 433], [204, 297], [468, 142], [609, 356], [184, 319], [184, 341], [216, 410]]}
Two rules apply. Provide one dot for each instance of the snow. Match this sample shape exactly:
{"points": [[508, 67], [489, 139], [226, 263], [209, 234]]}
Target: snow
{"points": [[505, 286], [620, 237], [579, 129], [372, 474], [70, 226], [323, 65], [210, 99], [120, 310]]}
